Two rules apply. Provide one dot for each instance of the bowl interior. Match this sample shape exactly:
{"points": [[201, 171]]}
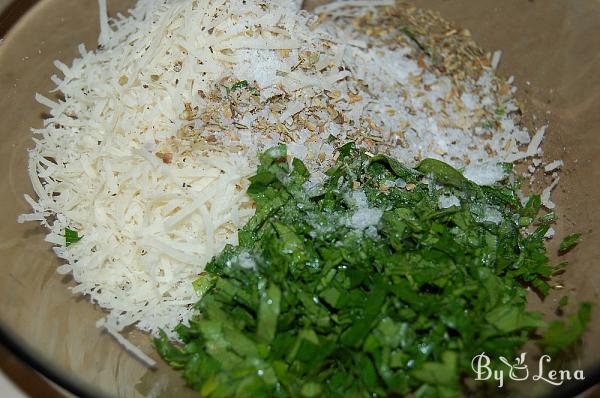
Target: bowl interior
{"points": [[552, 48]]}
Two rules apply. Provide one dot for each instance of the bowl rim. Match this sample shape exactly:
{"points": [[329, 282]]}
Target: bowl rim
{"points": [[12, 13], [9, 16], [42, 365]]}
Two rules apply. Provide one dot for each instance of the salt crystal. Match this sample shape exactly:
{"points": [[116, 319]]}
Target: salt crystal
{"points": [[446, 201], [400, 183], [485, 174], [246, 261], [365, 217]]}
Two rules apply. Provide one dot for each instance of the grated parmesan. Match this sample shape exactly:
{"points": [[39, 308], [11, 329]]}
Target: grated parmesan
{"points": [[553, 166]]}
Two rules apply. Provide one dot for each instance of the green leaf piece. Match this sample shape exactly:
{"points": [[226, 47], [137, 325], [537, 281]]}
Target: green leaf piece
{"points": [[71, 236], [569, 242]]}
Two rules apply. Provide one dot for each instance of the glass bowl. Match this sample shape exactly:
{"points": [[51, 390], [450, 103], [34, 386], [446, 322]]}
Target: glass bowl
{"points": [[551, 47]]}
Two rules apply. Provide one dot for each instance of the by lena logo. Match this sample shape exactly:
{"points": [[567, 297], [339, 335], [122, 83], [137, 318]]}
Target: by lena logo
{"points": [[519, 371]]}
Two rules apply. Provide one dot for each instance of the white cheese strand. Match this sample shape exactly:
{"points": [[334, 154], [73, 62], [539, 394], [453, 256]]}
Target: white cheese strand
{"points": [[104, 27]]}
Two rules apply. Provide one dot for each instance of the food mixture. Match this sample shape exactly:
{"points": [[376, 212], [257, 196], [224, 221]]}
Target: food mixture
{"points": [[380, 280], [142, 171]]}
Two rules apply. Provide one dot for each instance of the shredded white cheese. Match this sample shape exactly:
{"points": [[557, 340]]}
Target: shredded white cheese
{"points": [[127, 344], [496, 57], [447, 201], [545, 196], [553, 166]]}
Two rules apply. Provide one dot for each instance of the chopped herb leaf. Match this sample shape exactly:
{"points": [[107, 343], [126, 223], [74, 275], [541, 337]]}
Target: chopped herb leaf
{"points": [[359, 291], [239, 85], [71, 237], [413, 37], [569, 242], [487, 124], [562, 334]]}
